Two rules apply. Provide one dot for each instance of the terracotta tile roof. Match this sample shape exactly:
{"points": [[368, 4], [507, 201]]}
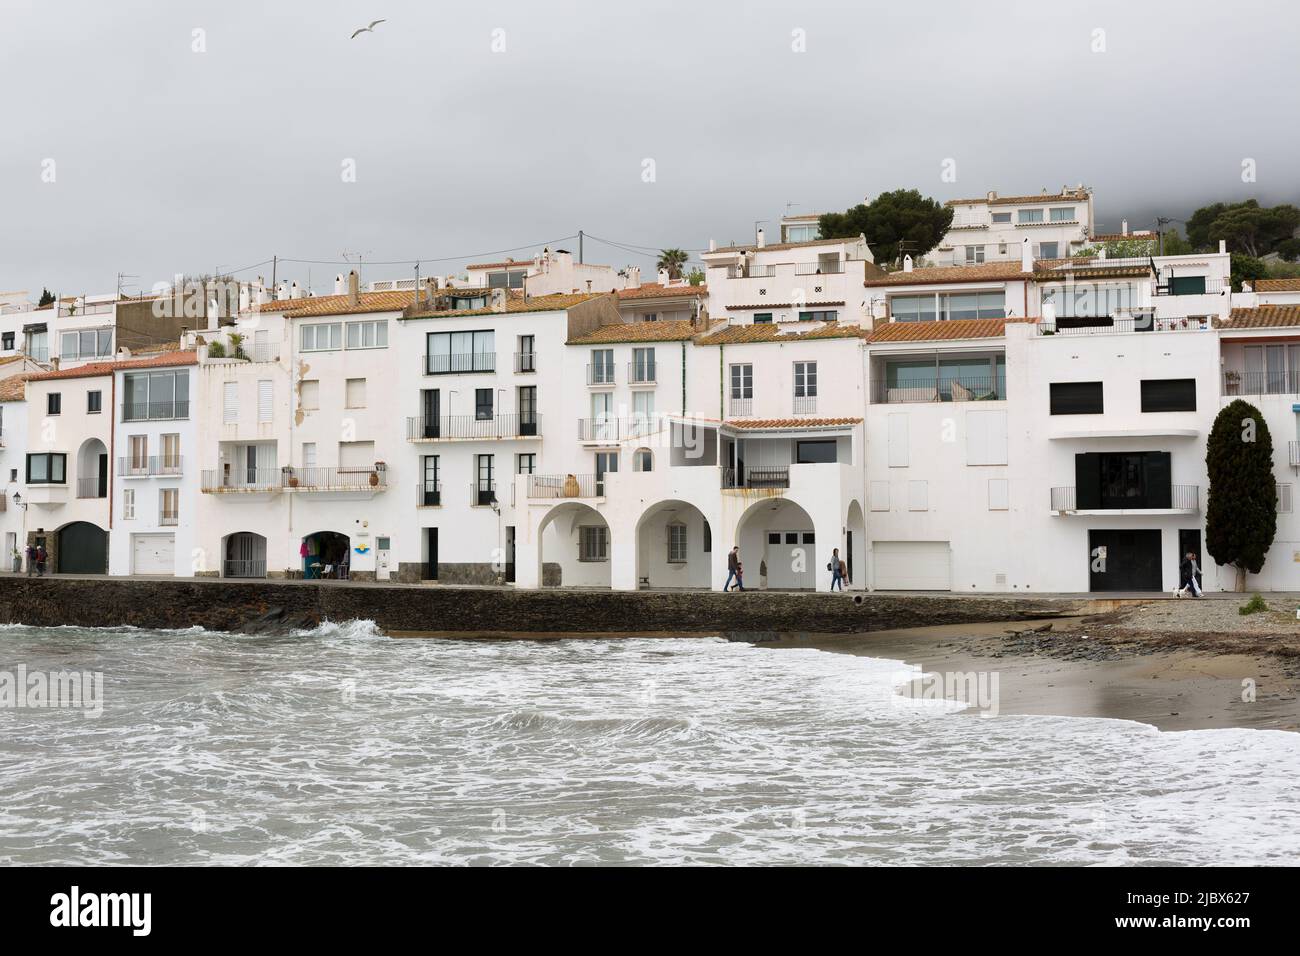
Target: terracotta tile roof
{"points": [[781, 305], [769, 247], [14, 388], [772, 332], [508, 264], [96, 369], [1097, 270], [1277, 285], [1121, 236], [1261, 317], [653, 290], [769, 423], [1072, 195], [984, 272], [340, 304], [677, 330], [938, 331], [515, 304]]}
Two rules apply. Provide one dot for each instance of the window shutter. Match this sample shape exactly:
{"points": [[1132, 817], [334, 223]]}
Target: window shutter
{"points": [[230, 402], [264, 393]]}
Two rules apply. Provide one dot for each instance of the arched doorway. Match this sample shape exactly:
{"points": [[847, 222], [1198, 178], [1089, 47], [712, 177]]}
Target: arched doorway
{"points": [[81, 548], [574, 548], [244, 555], [778, 534], [855, 546], [92, 469], [325, 554], [674, 546]]}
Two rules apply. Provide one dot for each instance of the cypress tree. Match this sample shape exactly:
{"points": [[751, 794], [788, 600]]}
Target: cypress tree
{"points": [[1241, 512]]}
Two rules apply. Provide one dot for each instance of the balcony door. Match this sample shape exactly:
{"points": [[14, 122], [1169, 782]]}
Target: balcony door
{"points": [[432, 412], [527, 409], [1115, 481]]}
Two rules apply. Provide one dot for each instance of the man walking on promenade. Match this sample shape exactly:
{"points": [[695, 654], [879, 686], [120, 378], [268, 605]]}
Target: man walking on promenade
{"points": [[733, 569], [836, 568], [1188, 571]]}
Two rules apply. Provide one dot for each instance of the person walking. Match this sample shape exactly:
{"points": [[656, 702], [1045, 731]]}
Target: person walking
{"points": [[41, 556], [1188, 571], [31, 560], [836, 568], [733, 569]]}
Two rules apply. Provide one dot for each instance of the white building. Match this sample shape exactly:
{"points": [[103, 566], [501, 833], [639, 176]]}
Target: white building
{"points": [[991, 228], [547, 273]]}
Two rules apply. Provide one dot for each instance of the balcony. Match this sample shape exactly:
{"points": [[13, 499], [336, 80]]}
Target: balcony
{"points": [[473, 428], [148, 466], [525, 362], [819, 268], [458, 363], [566, 486], [1182, 499], [1294, 449], [641, 373], [242, 480], [1111, 324], [169, 518], [428, 494], [364, 478], [771, 476], [602, 430], [1261, 383], [740, 407], [92, 488], [942, 388], [805, 405], [155, 411], [600, 374], [483, 493]]}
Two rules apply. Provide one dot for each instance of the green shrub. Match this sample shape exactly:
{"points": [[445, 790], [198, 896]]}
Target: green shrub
{"points": [[216, 350], [1253, 606]]}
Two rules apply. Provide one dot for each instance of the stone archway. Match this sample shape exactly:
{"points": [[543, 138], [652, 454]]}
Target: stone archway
{"points": [[243, 555], [855, 547], [674, 545], [574, 547], [778, 534], [81, 548]]}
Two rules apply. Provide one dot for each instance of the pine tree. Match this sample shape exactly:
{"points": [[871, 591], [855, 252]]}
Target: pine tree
{"points": [[1241, 513]]}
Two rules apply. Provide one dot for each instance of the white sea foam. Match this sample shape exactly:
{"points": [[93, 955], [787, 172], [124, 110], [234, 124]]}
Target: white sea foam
{"points": [[336, 746]]}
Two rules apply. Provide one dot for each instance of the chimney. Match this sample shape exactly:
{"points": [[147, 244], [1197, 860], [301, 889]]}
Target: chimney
{"points": [[633, 277], [263, 295], [663, 277], [340, 285], [1026, 256], [713, 245], [907, 263], [1223, 247], [993, 194], [295, 290], [245, 296], [214, 314], [1247, 285], [758, 240], [354, 290], [282, 291], [498, 300], [1123, 229]]}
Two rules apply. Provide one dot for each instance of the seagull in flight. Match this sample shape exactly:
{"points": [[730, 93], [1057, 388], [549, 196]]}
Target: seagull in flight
{"points": [[369, 29]]}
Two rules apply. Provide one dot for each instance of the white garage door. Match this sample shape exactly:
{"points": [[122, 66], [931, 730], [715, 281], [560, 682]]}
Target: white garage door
{"points": [[153, 554], [911, 565]]}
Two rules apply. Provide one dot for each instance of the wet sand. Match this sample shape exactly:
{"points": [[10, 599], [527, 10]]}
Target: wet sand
{"points": [[1061, 673]]}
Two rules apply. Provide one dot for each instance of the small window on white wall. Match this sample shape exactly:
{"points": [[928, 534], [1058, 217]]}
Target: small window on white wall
{"points": [[880, 496], [310, 394], [999, 494], [918, 496], [986, 437], [677, 544], [230, 402], [128, 504], [356, 393], [1284, 499], [265, 394], [643, 459]]}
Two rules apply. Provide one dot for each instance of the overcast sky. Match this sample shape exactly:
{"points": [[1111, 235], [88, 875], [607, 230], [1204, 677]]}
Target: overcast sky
{"points": [[168, 160]]}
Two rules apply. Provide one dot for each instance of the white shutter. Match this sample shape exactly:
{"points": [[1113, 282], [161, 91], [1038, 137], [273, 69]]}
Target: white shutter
{"points": [[986, 437], [309, 454], [230, 402], [265, 461], [356, 454], [918, 496], [264, 394], [898, 440], [880, 496], [999, 494]]}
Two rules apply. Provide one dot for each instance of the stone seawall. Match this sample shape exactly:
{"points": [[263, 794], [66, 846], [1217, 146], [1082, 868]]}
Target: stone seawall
{"points": [[222, 605]]}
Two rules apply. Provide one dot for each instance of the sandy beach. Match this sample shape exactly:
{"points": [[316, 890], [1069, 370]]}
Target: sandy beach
{"points": [[1148, 663]]}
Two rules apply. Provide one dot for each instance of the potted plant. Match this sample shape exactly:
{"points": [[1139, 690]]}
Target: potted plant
{"points": [[290, 478], [216, 349], [1232, 381], [237, 346], [571, 488], [374, 475]]}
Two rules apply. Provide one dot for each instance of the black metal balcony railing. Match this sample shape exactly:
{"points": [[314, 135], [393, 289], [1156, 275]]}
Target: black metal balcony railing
{"points": [[334, 479], [244, 568], [565, 486], [618, 429], [428, 494], [242, 479], [764, 476], [1294, 449], [942, 388], [1212, 287], [1261, 383], [819, 269], [1180, 498], [132, 467], [740, 407], [470, 427], [641, 373], [154, 411], [600, 374], [483, 492], [805, 405], [452, 363], [525, 361], [91, 488]]}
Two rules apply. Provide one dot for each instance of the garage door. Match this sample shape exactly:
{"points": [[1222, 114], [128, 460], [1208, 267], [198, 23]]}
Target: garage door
{"points": [[153, 554], [911, 565]]}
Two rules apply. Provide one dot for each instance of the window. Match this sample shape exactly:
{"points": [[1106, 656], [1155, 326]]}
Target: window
{"points": [[450, 352], [1062, 214], [1110, 481], [1284, 499], [948, 305], [1001, 217], [485, 489], [169, 504], [643, 408], [1075, 398], [526, 357], [230, 403], [482, 404], [1048, 250], [821, 451], [819, 316], [156, 395], [47, 468], [526, 403], [507, 279], [650, 317], [7, 341], [309, 454], [171, 452], [1169, 395], [805, 379], [677, 544], [643, 365], [707, 544], [265, 399], [1029, 215], [742, 381], [593, 543], [322, 338], [974, 255], [139, 454], [13, 474], [86, 343], [643, 459], [128, 504], [430, 489], [368, 335], [94, 402], [601, 369], [760, 317], [54, 403], [525, 464], [356, 393], [309, 394], [1187, 285]]}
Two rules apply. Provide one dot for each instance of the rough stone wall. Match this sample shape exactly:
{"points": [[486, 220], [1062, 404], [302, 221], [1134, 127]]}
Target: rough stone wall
{"points": [[259, 606]]}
